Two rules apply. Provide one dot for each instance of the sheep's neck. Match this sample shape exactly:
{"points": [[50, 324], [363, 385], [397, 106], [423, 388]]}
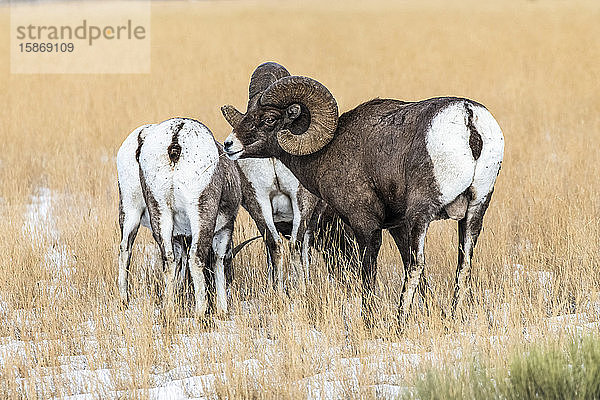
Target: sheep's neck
{"points": [[306, 168]]}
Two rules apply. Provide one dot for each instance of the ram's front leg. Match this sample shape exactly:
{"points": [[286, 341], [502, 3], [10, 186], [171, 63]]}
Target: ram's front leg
{"points": [[368, 234]]}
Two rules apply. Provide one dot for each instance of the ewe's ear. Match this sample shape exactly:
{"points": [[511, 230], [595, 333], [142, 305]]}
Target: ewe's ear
{"points": [[293, 111]]}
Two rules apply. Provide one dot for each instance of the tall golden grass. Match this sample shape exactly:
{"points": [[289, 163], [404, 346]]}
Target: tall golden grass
{"points": [[533, 64]]}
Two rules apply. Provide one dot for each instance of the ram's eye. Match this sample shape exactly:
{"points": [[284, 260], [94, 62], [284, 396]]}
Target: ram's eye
{"points": [[269, 121]]}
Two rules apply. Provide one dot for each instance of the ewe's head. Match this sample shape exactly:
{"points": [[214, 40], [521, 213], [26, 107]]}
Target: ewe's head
{"points": [[294, 114]]}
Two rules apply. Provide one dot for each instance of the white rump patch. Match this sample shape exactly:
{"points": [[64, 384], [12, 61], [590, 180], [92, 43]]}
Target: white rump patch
{"points": [[492, 153], [275, 188], [179, 186], [448, 146]]}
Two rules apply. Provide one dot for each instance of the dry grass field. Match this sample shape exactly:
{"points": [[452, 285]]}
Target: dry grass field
{"points": [[536, 277]]}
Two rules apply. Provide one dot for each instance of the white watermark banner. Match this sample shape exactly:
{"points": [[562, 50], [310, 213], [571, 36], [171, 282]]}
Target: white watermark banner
{"points": [[80, 37]]}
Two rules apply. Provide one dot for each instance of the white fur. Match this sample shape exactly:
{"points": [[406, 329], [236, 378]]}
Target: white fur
{"points": [[454, 166], [237, 148], [129, 176], [289, 185], [492, 153], [448, 147], [178, 187], [276, 191], [282, 208], [261, 175]]}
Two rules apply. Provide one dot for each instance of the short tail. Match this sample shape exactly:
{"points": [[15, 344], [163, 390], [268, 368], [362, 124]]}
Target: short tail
{"points": [[174, 149], [475, 141]]}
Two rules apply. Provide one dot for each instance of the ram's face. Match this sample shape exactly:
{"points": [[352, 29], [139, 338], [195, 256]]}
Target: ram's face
{"points": [[294, 114], [255, 134]]}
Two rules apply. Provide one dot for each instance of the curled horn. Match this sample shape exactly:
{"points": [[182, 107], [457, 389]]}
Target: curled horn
{"points": [[321, 106], [232, 115], [264, 76]]}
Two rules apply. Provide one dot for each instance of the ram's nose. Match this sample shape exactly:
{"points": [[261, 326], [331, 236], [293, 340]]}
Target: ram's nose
{"points": [[228, 144]]}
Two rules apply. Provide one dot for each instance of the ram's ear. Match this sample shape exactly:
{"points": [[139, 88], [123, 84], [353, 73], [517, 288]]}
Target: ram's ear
{"points": [[293, 111], [232, 115]]}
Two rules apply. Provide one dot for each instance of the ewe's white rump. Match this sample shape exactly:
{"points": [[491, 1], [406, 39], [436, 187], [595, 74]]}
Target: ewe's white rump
{"points": [[178, 185], [179, 197]]}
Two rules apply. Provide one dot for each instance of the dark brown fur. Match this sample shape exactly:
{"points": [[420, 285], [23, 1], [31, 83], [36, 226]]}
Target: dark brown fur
{"points": [[140, 139], [374, 142], [174, 149], [475, 141], [121, 212]]}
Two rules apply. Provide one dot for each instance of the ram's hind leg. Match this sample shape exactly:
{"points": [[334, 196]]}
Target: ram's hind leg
{"points": [[299, 258], [309, 214], [414, 269], [275, 261], [468, 231], [305, 250], [181, 248], [401, 237]]}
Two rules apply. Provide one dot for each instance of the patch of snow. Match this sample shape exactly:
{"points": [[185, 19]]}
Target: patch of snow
{"points": [[57, 260], [99, 381], [318, 388], [521, 273], [82, 377], [39, 222], [385, 391]]}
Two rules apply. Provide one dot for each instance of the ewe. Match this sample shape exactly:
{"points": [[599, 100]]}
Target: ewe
{"points": [[175, 179]]}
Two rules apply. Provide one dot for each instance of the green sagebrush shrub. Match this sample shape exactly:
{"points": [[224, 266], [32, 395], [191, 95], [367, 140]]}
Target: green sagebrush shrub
{"points": [[544, 371]]}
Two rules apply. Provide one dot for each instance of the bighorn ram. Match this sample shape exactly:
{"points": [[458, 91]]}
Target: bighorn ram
{"points": [[174, 178], [274, 198], [386, 164]]}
